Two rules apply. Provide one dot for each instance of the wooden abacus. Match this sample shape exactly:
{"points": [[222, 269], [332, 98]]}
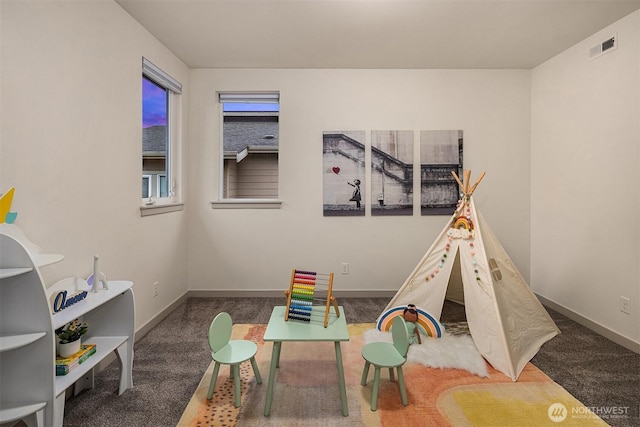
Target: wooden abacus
{"points": [[305, 288]]}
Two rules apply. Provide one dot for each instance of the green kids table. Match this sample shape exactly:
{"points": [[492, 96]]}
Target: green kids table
{"points": [[280, 330]]}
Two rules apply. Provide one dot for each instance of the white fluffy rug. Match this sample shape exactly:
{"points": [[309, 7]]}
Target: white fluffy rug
{"points": [[449, 351]]}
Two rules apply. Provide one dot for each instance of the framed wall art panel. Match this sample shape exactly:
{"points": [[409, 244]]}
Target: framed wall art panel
{"points": [[343, 173], [391, 172], [440, 153]]}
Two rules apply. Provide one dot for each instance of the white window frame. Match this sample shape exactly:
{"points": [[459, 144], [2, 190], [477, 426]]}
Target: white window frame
{"points": [[159, 185], [155, 204], [243, 203], [148, 178]]}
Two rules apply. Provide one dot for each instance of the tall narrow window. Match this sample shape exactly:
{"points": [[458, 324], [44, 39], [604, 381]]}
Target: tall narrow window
{"points": [[155, 147], [157, 171], [250, 138]]}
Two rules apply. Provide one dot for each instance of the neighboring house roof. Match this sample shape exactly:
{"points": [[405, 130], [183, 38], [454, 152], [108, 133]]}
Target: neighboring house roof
{"points": [[154, 141], [239, 134], [250, 131]]}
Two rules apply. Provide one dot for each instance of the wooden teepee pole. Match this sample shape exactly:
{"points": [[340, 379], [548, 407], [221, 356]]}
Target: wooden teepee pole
{"points": [[477, 182], [455, 175], [466, 190], [467, 178]]}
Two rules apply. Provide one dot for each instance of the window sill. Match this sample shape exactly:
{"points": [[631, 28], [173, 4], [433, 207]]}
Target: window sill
{"points": [[147, 210], [246, 204]]}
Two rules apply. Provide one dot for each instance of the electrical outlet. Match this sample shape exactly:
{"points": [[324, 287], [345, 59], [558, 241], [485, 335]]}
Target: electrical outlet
{"points": [[625, 305], [155, 289], [345, 268]]}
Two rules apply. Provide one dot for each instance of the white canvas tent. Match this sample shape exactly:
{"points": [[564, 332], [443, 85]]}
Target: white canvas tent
{"points": [[467, 264]]}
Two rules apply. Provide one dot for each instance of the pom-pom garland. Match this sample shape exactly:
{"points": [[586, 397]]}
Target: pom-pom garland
{"points": [[443, 259]]}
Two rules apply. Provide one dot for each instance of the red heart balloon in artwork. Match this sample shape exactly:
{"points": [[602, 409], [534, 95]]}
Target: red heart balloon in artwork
{"points": [[336, 170]]}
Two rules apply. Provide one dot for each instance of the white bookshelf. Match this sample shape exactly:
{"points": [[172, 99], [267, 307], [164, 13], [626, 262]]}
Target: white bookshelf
{"points": [[10, 342], [110, 315], [30, 390]]}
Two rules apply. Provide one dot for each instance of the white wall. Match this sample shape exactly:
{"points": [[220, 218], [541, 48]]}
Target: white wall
{"points": [[71, 144], [585, 158], [256, 249]]}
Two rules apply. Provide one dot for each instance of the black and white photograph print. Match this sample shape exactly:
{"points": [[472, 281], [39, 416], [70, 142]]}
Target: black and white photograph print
{"points": [[391, 172], [343, 173], [440, 153]]}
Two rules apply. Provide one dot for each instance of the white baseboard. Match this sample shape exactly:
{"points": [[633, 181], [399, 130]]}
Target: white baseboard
{"points": [[590, 324], [208, 293], [144, 329]]}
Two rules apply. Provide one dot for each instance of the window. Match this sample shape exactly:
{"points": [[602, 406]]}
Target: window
{"points": [[163, 191], [155, 147], [158, 170], [146, 187], [250, 139]]}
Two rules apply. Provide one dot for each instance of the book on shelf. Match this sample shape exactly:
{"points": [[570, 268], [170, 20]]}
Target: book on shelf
{"points": [[64, 365]]}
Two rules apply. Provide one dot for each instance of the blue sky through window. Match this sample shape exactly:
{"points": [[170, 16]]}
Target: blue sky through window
{"points": [[154, 104], [237, 107]]}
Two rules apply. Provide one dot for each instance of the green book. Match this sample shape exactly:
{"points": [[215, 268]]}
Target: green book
{"points": [[64, 365]]}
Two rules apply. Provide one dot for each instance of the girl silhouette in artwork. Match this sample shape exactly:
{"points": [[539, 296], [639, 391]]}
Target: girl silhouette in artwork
{"points": [[355, 197]]}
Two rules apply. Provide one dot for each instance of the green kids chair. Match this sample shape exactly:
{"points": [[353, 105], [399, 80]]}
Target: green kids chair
{"points": [[232, 353], [387, 355]]}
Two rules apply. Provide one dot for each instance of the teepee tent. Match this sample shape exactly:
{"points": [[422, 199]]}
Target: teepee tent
{"points": [[467, 263]]}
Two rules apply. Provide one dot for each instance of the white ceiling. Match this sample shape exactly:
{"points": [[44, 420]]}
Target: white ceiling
{"points": [[387, 34]]}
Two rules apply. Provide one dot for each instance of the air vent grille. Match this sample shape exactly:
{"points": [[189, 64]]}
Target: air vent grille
{"points": [[603, 47], [611, 43]]}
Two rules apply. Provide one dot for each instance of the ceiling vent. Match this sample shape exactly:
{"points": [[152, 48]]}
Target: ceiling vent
{"points": [[601, 48]]}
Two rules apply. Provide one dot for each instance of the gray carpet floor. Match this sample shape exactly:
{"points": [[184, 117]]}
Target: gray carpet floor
{"points": [[171, 359]]}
